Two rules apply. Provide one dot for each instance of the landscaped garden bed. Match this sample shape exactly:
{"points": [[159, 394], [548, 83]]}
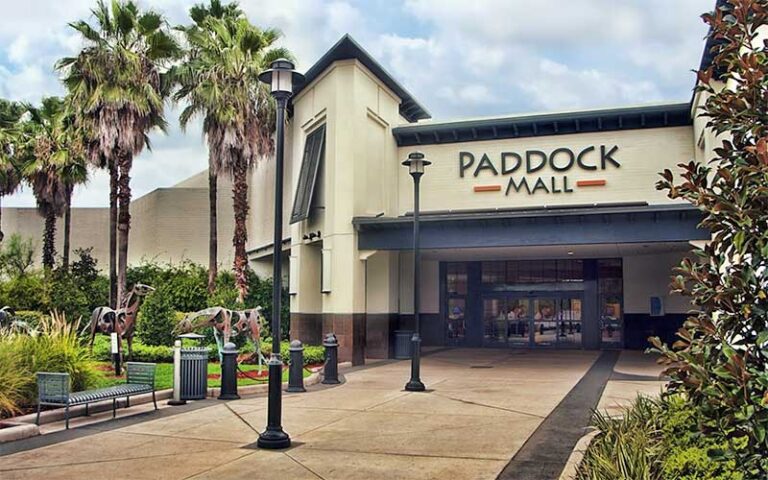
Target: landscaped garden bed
{"points": [[247, 375]]}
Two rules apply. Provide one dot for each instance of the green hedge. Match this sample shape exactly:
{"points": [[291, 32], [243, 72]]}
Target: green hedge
{"points": [[162, 354]]}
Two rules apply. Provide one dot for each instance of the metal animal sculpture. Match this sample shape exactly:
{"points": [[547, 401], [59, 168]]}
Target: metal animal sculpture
{"points": [[121, 321], [227, 324], [9, 321]]}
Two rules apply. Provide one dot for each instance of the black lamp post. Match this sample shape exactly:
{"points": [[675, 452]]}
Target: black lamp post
{"points": [[416, 164], [281, 77]]}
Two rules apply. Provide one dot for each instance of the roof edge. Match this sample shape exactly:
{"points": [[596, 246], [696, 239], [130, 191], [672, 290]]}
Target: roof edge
{"points": [[520, 126], [346, 49]]}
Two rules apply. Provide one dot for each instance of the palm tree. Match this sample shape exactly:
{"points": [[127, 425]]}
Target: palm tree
{"points": [[199, 14], [117, 78], [219, 81], [10, 177], [51, 153]]}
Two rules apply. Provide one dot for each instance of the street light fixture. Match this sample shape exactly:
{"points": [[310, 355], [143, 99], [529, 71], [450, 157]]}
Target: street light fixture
{"points": [[416, 164], [281, 77]]}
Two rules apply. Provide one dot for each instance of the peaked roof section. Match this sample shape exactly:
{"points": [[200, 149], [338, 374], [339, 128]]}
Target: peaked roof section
{"points": [[347, 48]]}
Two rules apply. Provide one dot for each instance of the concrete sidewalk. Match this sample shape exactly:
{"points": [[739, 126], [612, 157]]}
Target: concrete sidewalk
{"points": [[481, 407]]}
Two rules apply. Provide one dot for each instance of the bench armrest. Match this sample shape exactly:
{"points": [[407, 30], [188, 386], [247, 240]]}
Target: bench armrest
{"points": [[140, 373], [53, 387]]}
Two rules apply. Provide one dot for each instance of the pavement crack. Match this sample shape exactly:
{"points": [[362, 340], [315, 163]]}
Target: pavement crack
{"points": [[241, 418], [510, 410], [304, 466]]}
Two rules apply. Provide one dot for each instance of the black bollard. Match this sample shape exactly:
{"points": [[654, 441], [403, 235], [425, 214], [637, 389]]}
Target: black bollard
{"points": [[331, 367], [229, 372], [296, 370]]}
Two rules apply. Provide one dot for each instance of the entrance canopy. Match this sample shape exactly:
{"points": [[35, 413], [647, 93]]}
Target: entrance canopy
{"points": [[581, 225]]}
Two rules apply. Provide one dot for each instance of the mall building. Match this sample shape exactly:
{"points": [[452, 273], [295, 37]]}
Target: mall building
{"points": [[537, 231]]}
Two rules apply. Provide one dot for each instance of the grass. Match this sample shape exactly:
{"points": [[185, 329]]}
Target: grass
{"points": [[164, 375]]}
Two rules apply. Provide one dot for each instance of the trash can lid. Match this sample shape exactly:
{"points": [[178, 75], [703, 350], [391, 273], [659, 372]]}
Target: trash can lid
{"points": [[192, 336]]}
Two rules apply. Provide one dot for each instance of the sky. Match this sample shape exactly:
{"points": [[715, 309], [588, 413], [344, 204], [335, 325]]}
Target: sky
{"points": [[459, 58]]}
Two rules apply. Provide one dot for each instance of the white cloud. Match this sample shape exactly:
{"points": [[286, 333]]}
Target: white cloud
{"points": [[556, 86]]}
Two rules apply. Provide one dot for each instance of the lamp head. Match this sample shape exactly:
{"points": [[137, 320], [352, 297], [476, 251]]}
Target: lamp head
{"points": [[416, 163], [281, 77]]}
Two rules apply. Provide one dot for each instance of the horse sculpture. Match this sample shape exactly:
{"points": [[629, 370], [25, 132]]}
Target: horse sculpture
{"points": [[121, 321], [227, 324]]}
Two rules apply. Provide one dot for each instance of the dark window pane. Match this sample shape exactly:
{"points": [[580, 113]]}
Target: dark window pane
{"points": [[494, 272], [549, 271], [570, 270], [456, 278], [314, 150]]}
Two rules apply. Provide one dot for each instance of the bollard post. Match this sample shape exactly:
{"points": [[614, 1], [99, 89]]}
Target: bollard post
{"points": [[296, 370], [176, 400], [331, 367], [229, 372]]}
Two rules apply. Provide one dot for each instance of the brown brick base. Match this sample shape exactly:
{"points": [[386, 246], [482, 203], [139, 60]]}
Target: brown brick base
{"points": [[350, 331]]}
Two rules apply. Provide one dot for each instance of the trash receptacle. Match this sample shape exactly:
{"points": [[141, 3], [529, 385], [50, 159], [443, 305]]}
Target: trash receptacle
{"points": [[403, 346], [194, 370]]}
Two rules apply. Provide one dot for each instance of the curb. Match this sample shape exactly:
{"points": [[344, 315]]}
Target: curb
{"points": [[577, 455], [17, 428], [263, 388], [11, 431]]}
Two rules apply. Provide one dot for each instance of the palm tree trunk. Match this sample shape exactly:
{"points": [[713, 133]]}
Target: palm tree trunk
{"points": [[67, 228], [2, 235], [213, 245], [49, 237], [123, 222], [240, 205], [112, 233]]}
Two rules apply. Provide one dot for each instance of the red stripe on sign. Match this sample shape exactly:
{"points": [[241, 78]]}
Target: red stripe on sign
{"points": [[590, 183], [488, 188]]}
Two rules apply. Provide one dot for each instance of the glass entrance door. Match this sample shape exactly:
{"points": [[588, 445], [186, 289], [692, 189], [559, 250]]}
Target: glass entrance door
{"points": [[548, 320], [544, 321]]}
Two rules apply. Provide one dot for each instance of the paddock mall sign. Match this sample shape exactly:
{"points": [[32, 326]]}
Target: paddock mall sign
{"points": [[537, 171]]}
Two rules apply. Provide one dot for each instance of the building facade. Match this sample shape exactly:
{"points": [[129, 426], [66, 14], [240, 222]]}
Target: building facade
{"points": [[168, 225], [538, 231]]}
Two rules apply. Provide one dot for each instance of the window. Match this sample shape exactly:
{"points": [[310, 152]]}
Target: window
{"points": [[456, 278], [610, 286], [314, 151]]}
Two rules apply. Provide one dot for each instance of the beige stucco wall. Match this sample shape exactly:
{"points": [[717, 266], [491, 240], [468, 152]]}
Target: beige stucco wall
{"points": [[168, 225], [356, 178], [642, 154], [87, 223]]}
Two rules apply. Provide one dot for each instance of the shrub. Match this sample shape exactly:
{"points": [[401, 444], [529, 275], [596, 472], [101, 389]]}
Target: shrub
{"points": [[57, 348], [102, 351], [654, 439], [64, 294], [313, 354], [13, 381], [186, 283], [24, 292], [157, 319], [86, 275], [16, 255]]}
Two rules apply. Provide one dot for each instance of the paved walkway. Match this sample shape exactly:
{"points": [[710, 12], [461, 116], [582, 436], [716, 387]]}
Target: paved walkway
{"points": [[481, 407]]}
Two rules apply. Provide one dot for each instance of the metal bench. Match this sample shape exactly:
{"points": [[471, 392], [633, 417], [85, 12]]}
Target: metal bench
{"points": [[53, 389]]}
